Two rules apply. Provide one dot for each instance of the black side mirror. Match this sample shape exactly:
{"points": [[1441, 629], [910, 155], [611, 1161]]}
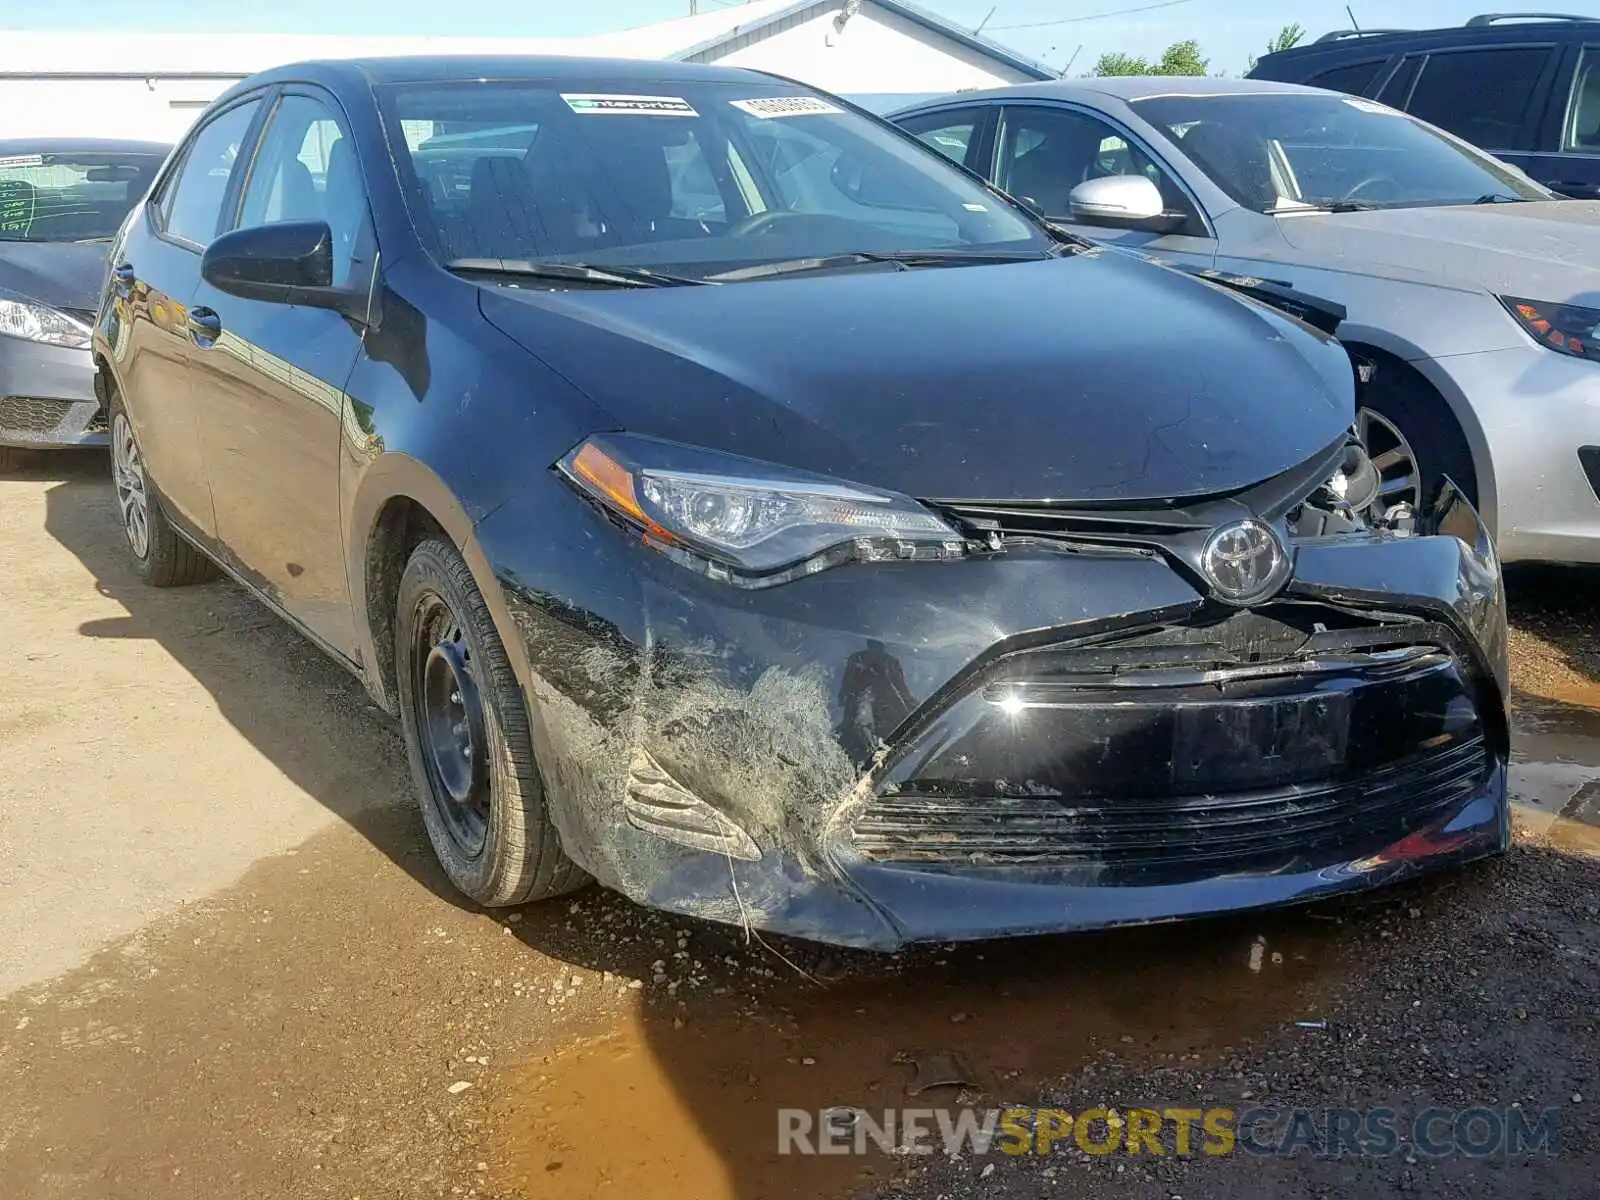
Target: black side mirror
{"points": [[288, 262]]}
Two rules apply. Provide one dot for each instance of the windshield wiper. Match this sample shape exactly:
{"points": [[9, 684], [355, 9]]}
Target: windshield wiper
{"points": [[1499, 198], [564, 272], [901, 260], [1332, 206]]}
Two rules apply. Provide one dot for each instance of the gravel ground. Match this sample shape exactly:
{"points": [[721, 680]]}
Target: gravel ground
{"points": [[288, 1000]]}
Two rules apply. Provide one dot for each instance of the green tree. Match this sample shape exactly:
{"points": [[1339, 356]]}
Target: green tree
{"points": [[1288, 37], [1180, 58]]}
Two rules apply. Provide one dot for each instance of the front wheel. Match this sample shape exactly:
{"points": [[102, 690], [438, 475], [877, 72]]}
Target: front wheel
{"points": [[1413, 440], [467, 737]]}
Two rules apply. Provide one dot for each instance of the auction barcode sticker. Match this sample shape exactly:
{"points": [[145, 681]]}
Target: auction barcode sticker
{"points": [[587, 103], [22, 160], [785, 106]]}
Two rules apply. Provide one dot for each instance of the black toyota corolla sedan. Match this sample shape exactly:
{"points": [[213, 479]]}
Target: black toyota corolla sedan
{"points": [[741, 506]]}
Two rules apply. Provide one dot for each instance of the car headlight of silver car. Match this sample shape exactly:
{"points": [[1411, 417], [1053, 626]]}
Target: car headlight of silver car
{"points": [[40, 323], [749, 523], [1565, 328]]}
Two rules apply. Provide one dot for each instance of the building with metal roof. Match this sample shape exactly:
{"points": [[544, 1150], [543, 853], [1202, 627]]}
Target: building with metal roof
{"points": [[118, 84]]}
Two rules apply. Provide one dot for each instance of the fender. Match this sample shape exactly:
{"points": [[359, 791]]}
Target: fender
{"points": [[397, 475]]}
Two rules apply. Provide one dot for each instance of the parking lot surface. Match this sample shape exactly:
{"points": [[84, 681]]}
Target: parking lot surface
{"points": [[230, 967]]}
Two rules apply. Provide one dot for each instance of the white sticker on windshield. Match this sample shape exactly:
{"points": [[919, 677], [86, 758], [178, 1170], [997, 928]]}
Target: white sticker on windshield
{"points": [[22, 160], [785, 106], [587, 103], [1369, 106]]}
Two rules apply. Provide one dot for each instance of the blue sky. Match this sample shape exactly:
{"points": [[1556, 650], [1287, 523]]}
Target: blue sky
{"points": [[1228, 30]]}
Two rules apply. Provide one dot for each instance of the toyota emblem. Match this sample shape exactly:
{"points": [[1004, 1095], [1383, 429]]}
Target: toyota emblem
{"points": [[1244, 561]]}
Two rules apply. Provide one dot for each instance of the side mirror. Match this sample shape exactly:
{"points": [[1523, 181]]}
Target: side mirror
{"points": [[1120, 201], [288, 262]]}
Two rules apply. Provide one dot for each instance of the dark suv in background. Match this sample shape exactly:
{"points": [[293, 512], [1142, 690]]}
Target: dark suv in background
{"points": [[1524, 87]]}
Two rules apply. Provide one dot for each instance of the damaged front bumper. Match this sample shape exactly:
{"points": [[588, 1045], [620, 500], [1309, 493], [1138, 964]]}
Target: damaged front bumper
{"points": [[1044, 740]]}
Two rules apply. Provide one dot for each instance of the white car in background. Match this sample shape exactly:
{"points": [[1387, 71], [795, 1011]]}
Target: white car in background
{"points": [[1472, 291]]}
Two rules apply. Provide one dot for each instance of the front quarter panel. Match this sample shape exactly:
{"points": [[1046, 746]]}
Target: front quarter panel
{"points": [[444, 411]]}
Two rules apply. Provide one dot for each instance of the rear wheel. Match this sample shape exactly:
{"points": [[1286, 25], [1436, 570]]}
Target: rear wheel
{"points": [[467, 736], [162, 558]]}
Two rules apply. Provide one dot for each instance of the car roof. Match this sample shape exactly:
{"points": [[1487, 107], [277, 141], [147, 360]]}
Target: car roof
{"points": [[1492, 29], [1126, 88], [444, 68], [65, 145]]}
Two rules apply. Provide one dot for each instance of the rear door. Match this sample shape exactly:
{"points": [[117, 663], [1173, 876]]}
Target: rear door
{"points": [[153, 275], [269, 378]]}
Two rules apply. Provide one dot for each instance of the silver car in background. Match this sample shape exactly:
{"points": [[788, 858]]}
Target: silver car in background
{"points": [[61, 202], [1473, 294]]}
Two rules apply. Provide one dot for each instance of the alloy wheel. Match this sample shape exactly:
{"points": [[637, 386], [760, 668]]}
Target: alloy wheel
{"points": [[450, 723], [1399, 476], [127, 474]]}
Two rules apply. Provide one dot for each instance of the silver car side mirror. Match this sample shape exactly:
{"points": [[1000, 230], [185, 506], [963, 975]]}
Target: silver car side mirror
{"points": [[1128, 201]]}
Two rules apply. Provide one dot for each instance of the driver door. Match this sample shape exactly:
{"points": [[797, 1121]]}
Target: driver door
{"points": [[1042, 152]]}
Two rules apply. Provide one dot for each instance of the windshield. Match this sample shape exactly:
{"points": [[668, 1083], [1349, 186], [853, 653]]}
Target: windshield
{"points": [[1278, 152], [70, 197], [691, 180]]}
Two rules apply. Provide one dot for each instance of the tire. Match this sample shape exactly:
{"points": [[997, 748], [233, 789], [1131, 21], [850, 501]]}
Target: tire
{"points": [[160, 556], [1421, 418], [466, 730]]}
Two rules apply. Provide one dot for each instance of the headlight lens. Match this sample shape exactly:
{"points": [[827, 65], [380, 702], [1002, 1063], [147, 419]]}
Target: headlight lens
{"points": [[38, 323], [1565, 328], [749, 523]]}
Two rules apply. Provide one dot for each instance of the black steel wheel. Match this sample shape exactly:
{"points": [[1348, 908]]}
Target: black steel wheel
{"points": [[466, 728]]}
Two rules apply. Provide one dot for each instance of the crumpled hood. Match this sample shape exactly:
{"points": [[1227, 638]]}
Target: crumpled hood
{"points": [[1093, 377], [59, 274], [1541, 250]]}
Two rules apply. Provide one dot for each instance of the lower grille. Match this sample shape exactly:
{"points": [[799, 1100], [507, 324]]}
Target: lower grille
{"points": [[29, 414], [1290, 737], [1177, 837]]}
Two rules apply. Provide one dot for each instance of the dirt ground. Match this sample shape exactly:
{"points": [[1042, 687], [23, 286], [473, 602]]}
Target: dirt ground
{"points": [[229, 966]]}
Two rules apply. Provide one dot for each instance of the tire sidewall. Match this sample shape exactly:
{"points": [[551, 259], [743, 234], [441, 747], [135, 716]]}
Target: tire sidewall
{"points": [[483, 876]]}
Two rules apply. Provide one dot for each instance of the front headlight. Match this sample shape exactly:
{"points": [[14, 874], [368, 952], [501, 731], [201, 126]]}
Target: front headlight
{"points": [[750, 523], [1565, 328], [38, 323]]}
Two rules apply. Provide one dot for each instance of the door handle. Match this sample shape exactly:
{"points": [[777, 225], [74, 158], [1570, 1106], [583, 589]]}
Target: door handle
{"points": [[205, 327], [123, 278]]}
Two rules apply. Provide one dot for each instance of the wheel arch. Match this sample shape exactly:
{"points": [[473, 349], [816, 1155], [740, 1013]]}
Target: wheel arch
{"points": [[401, 501], [1433, 382]]}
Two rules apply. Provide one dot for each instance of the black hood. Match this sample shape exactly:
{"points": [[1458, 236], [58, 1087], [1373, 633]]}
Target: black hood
{"points": [[1094, 377], [59, 274]]}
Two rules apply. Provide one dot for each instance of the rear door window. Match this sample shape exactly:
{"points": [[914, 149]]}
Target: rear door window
{"points": [[1354, 78], [1484, 96], [950, 133]]}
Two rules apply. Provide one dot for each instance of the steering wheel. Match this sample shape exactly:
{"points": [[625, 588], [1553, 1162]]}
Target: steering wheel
{"points": [[774, 219], [1372, 181]]}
